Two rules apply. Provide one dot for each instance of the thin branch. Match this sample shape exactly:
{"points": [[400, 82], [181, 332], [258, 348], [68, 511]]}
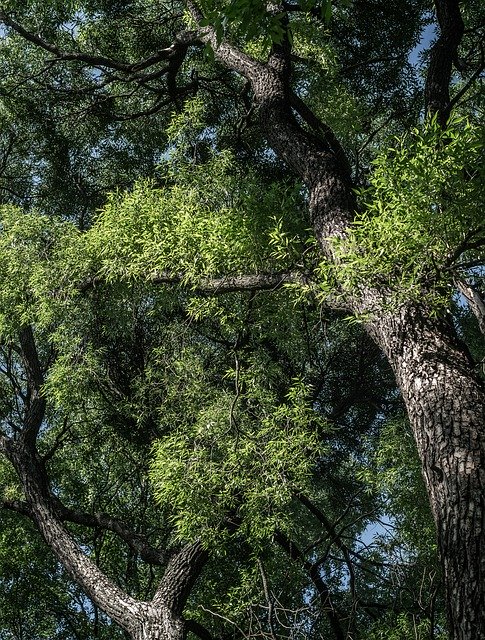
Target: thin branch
{"points": [[216, 286], [136, 542], [456, 98], [320, 585], [269, 599]]}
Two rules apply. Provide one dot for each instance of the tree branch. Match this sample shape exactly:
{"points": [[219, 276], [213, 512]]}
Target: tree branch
{"points": [[443, 53], [136, 542], [195, 627], [117, 604], [35, 402], [320, 585], [179, 46], [180, 575], [216, 286]]}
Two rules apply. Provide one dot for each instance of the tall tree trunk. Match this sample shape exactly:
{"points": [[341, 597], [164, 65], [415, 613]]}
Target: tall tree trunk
{"points": [[445, 401], [444, 396]]}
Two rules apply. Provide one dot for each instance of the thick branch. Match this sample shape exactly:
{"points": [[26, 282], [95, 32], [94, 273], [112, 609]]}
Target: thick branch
{"points": [[320, 127], [180, 575], [35, 404], [332, 202], [443, 53], [195, 627], [117, 604], [215, 286], [227, 53]]}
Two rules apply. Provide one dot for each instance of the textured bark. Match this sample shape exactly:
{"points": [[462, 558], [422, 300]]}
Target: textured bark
{"points": [[445, 400], [444, 397], [179, 577], [117, 604], [157, 623], [157, 620]]}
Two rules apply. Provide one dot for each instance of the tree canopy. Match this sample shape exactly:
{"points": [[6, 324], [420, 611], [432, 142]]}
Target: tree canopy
{"points": [[241, 320]]}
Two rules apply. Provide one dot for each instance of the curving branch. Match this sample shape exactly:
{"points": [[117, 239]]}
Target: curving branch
{"points": [[174, 51], [135, 541], [48, 514], [42, 509]]}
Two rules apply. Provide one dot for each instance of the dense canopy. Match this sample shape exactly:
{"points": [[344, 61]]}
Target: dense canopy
{"points": [[242, 309]]}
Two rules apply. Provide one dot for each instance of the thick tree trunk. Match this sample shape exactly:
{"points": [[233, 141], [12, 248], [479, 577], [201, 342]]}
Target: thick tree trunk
{"points": [[444, 396], [445, 400], [158, 624]]}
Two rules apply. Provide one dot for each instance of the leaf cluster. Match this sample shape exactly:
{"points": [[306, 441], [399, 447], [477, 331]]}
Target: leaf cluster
{"points": [[419, 215]]}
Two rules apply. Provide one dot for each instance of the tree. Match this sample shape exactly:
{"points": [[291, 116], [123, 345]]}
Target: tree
{"points": [[391, 257]]}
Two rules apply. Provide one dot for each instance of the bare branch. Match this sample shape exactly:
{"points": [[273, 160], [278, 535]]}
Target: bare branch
{"points": [[320, 585], [95, 583], [136, 542], [217, 286], [269, 599], [456, 99]]}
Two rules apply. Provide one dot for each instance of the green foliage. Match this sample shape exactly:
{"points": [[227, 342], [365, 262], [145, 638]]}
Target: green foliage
{"points": [[421, 208], [248, 19], [404, 627], [187, 229], [230, 468], [395, 473], [32, 248], [209, 390]]}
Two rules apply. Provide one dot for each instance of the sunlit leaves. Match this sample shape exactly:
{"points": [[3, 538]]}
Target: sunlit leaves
{"points": [[236, 470], [189, 227], [31, 250], [421, 213]]}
